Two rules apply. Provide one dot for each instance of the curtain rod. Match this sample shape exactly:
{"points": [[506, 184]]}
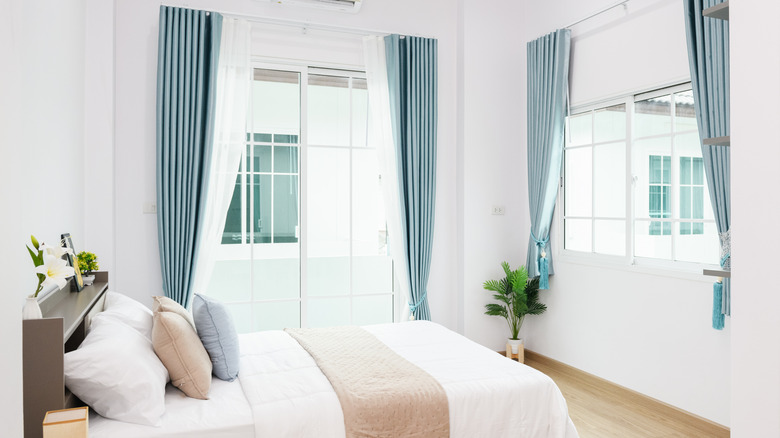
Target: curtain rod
{"points": [[304, 24], [599, 12]]}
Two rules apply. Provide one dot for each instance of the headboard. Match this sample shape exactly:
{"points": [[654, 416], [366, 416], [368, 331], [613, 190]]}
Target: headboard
{"points": [[66, 317]]}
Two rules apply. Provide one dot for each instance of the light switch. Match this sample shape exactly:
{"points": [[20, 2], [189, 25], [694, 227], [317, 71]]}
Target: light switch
{"points": [[150, 208]]}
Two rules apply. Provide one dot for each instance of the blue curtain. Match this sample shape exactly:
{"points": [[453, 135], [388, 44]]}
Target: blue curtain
{"points": [[188, 49], [548, 87], [412, 77], [708, 56]]}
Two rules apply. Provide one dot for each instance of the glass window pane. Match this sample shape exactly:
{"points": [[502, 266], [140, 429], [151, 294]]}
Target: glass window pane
{"points": [[283, 89], [697, 202], [610, 124], [285, 138], [653, 116], [667, 169], [262, 137], [261, 160], [328, 312], [359, 112], [701, 246], [328, 219], [656, 169], [651, 240], [609, 190], [277, 272], [647, 169], [230, 278], [579, 182], [684, 114], [580, 129], [655, 206], [329, 110], [666, 203], [285, 208], [328, 276], [698, 171], [578, 234], [610, 237], [372, 274], [241, 314], [685, 170], [286, 159], [232, 232], [685, 202], [685, 228], [372, 310], [277, 315], [261, 209]]}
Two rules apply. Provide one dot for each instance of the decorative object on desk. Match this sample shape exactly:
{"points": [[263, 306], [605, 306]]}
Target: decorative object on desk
{"points": [[66, 423], [88, 262], [67, 243], [518, 297], [49, 269]]}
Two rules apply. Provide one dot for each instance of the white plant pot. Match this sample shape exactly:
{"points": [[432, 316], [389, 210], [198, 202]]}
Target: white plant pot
{"points": [[88, 280], [515, 344], [31, 309]]}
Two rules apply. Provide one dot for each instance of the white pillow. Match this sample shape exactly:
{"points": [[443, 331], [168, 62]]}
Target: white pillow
{"points": [[128, 311], [117, 373]]}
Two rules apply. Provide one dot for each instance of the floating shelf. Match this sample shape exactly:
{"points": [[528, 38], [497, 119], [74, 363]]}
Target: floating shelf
{"points": [[718, 141], [725, 273], [719, 11]]}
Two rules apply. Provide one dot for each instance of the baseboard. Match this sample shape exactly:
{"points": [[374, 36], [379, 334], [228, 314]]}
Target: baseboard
{"points": [[670, 412]]}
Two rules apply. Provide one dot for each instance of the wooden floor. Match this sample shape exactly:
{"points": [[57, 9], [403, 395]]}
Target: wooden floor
{"points": [[601, 409]]}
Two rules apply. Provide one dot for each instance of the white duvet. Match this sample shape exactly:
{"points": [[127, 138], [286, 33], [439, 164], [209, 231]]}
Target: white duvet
{"points": [[489, 395], [286, 395]]}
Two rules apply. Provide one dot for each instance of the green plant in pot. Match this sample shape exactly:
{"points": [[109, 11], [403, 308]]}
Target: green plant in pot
{"points": [[88, 262], [517, 297]]}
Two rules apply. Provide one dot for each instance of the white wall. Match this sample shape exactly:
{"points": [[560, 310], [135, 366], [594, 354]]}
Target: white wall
{"points": [[640, 328], [755, 69], [494, 159], [41, 172], [137, 271]]}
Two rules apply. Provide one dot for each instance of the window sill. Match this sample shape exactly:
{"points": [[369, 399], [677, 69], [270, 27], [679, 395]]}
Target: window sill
{"points": [[659, 268]]}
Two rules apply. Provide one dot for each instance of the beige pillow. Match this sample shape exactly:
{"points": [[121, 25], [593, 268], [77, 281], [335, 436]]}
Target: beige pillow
{"points": [[165, 304], [181, 351]]}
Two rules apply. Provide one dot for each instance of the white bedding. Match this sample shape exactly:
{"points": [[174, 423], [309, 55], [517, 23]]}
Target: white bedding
{"points": [[286, 395], [226, 415]]}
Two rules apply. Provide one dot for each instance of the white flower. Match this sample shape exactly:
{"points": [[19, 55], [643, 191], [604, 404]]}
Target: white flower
{"points": [[56, 251], [55, 269]]}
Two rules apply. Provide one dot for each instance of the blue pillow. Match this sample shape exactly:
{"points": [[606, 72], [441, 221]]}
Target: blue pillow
{"points": [[218, 334]]}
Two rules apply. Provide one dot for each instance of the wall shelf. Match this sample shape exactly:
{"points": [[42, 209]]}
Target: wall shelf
{"points": [[725, 273], [717, 141], [719, 11]]}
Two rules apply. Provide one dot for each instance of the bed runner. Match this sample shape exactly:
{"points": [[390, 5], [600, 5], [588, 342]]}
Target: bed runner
{"points": [[381, 393]]}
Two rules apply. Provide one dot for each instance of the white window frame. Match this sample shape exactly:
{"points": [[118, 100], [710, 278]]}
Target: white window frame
{"points": [[628, 262], [304, 69]]}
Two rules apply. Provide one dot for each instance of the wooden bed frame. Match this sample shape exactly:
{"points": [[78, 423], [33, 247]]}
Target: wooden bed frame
{"points": [[66, 317]]}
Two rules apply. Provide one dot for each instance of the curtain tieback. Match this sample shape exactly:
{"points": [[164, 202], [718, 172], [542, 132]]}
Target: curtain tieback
{"points": [[718, 317], [413, 307], [542, 264]]}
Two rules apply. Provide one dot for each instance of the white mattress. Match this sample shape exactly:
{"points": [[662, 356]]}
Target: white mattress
{"points": [[282, 392]]}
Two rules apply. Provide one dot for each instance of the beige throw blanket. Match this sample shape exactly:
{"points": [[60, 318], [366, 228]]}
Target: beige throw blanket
{"points": [[381, 393]]}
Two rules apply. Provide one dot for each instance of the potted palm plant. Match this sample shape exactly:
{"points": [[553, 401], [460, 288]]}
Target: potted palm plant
{"points": [[517, 297]]}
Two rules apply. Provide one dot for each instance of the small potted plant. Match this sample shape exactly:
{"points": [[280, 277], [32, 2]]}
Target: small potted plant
{"points": [[87, 263], [517, 297]]}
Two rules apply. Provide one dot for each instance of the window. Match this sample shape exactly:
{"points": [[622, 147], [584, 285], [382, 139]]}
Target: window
{"points": [[634, 181], [305, 240]]}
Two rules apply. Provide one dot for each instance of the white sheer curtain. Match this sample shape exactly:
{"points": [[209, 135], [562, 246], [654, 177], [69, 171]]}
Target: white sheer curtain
{"points": [[381, 134], [233, 88]]}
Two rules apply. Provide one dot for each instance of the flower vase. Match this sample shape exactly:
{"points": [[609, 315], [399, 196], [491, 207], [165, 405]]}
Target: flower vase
{"points": [[31, 309]]}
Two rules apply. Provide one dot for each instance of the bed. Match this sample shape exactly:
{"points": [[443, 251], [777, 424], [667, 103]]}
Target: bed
{"points": [[280, 390]]}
